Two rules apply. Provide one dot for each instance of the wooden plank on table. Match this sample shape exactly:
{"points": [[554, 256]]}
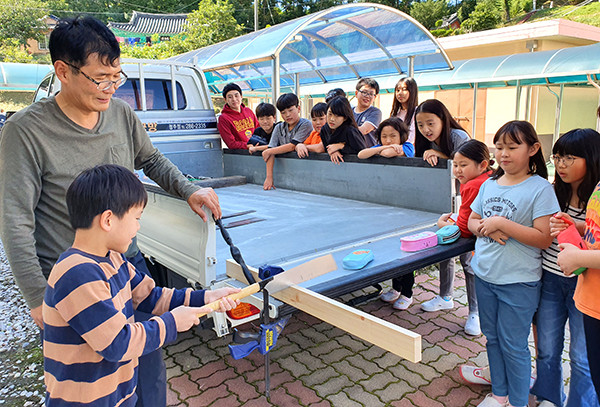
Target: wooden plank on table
{"points": [[388, 336]]}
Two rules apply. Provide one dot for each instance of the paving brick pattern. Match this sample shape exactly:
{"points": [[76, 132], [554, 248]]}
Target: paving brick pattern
{"points": [[315, 364]]}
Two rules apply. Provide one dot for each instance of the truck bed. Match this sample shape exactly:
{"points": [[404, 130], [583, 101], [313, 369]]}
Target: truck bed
{"points": [[287, 228]]}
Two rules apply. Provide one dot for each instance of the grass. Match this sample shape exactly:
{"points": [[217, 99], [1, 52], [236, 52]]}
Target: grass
{"points": [[21, 381], [14, 101], [589, 14]]}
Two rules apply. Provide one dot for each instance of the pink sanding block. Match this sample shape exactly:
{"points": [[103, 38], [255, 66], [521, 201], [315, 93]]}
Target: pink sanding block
{"points": [[420, 241]]}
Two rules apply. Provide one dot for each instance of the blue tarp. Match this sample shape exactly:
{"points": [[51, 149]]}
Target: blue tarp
{"points": [[22, 77], [340, 43]]}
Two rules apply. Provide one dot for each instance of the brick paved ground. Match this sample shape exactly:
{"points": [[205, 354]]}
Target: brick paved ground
{"points": [[316, 364]]}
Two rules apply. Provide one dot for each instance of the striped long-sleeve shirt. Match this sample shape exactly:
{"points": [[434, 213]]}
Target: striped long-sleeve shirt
{"points": [[91, 342]]}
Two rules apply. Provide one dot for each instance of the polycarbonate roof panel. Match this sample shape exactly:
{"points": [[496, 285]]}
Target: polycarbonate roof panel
{"points": [[24, 77], [340, 43], [567, 65]]}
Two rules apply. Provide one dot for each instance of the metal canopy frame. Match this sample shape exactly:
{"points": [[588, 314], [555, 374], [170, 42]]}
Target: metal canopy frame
{"points": [[341, 43]]}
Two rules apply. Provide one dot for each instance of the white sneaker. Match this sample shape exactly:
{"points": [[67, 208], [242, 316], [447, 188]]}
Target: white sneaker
{"points": [[475, 375], [546, 403], [402, 303], [490, 401], [472, 325], [389, 296], [438, 303]]}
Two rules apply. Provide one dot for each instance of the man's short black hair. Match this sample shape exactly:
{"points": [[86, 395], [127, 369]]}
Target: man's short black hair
{"points": [[265, 109], [370, 82], [319, 110], [229, 87], [73, 40], [102, 188], [287, 100], [333, 93]]}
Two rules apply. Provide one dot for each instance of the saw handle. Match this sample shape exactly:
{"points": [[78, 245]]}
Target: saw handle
{"points": [[245, 292]]}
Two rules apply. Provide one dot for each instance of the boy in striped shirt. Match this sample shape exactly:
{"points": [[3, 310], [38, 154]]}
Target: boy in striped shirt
{"points": [[91, 342]]}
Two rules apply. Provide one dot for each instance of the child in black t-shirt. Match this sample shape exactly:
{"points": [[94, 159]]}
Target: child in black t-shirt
{"points": [[340, 135], [265, 112]]}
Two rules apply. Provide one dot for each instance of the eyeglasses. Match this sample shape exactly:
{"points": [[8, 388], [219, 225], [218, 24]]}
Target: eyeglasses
{"points": [[367, 94], [566, 160], [103, 85]]}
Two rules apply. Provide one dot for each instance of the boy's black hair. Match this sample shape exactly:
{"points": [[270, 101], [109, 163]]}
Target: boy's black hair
{"points": [[370, 82], [520, 131], [584, 143], [340, 106], [229, 87], [265, 109], [102, 188], [333, 93], [397, 124], [73, 40], [319, 110], [287, 100]]}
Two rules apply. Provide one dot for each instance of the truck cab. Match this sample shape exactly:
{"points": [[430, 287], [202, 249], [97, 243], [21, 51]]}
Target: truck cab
{"points": [[173, 103]]}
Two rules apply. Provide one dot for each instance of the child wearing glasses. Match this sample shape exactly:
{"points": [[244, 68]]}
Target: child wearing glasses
{"points": [[366, 115]]}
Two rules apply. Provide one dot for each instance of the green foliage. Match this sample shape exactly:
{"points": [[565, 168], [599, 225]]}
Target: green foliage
{"points": [[429, 11], [158, 50], [12, 51], [211, 23], [466, 8], [486, 16], [21, 20]]}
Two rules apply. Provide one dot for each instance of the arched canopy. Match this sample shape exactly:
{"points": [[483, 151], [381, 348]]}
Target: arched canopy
{"points": [[341, 43], [21, 77], [554, 67]]}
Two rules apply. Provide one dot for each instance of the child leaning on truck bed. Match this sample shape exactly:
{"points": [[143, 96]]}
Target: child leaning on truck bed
{"points": [[318, 117], [267, 118], [91, 342], [287, 134], [236, 122]]}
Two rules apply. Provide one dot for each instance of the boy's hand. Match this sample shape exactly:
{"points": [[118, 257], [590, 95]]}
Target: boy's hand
{"points": [[252, 149], [36, 314], [266, 154], [336, 157], [557, 224], [268, 184], [431, 157], [301, 150], [187, 317], [567, 258], [208, 197], [214, 295]]}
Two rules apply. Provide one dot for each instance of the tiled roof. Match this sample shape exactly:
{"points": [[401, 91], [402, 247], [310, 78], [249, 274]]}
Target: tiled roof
{"points": [[143, 23]]}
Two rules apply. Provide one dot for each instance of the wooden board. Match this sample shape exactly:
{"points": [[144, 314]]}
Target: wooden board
{"points": [[386, 335]]}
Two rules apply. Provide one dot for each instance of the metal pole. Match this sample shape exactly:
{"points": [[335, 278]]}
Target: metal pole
{"points": [[174, 88], [411, 66], [275, 78], [142, 86], [297, 85], [518, 104], [255, 15], [558, 114], [474, 125], [527, 102]]}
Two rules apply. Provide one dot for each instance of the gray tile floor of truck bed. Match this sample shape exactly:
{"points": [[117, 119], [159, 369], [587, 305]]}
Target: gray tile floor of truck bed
{"points": [[299, 226]]}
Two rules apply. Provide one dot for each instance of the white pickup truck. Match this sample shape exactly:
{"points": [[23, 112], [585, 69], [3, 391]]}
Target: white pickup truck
{"points": [[317, 208]]}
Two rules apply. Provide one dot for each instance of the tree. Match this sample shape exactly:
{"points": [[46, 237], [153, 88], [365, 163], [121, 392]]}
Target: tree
{"points": [[211, 23], [21, 20], [429, 12], [486, 15], [12, 51], [465, 9]]}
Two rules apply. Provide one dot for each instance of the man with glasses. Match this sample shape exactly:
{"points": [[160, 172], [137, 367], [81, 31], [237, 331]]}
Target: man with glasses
{"points": [[366, 115], [45, 146]]}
